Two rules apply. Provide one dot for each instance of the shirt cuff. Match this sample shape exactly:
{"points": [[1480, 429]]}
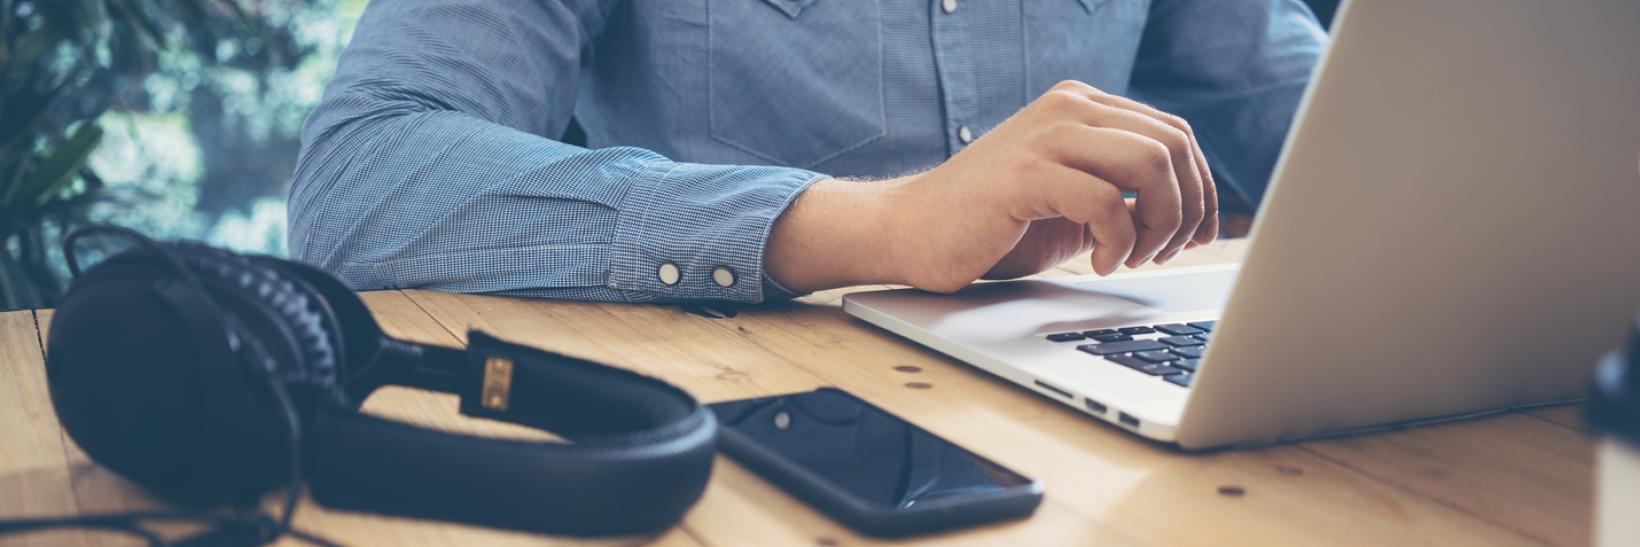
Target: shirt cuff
{"points": [[773, 290], [697, 232]]}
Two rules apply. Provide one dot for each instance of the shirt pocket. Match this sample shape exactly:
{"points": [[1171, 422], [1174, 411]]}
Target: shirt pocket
{"points": [[1093, 41], [795, 82]]}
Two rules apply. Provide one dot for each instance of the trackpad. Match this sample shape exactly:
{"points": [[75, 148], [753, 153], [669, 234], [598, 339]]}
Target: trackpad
{"points": [[1169, 293], [1012, 309]]}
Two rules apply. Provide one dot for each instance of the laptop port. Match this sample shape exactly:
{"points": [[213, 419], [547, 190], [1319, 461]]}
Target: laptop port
{"points": [[1051, 387], [1128, 420], [1096, 406]]}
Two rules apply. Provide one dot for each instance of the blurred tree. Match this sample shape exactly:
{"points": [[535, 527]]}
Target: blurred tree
{"points": [[72, 69]]}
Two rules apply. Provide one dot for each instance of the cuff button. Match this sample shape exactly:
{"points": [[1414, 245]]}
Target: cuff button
{"points": [[669, 274], [723, 276]]}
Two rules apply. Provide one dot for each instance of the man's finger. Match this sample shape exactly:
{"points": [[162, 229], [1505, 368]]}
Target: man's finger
{"points": [[1208, 230], [1131, 162], [1181, 150], [1093, 202]]}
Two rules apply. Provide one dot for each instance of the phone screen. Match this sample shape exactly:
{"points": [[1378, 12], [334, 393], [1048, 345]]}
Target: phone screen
{"points": [[864, 450]]}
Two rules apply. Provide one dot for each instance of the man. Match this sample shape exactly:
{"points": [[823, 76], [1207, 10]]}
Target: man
{"points": [[752, 149]]}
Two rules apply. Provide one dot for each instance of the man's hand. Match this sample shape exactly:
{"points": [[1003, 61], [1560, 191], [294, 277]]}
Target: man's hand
{"points": [[1043, 186]]}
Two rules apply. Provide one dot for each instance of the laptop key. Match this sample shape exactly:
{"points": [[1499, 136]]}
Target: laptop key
{"points": [[1128, 361], [1181, 341], [1118, 337], [1065, 337], [1156, 356], [1136, 330], [1122, 347], [1158, 369], [1204, 325], [1179, 329], [1189, 352], [1100, 332], [1188, 364], [1180, 379]]}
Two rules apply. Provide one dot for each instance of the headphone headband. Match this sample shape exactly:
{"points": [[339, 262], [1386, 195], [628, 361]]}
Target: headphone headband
{"points": [[635, 439]]}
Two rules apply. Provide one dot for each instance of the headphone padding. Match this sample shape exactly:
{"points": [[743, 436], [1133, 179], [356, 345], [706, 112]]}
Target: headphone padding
{"points": [[293, 305]]}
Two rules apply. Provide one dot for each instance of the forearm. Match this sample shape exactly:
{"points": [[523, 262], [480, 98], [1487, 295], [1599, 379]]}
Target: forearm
{"points": [[438, 199], [441, 200], [836, 234]]}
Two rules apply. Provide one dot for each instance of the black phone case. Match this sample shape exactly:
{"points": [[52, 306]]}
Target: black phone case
{"points": [[873, 519]]}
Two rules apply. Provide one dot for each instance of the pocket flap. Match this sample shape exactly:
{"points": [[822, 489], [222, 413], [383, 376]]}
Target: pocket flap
{"points": [[790, 7]]}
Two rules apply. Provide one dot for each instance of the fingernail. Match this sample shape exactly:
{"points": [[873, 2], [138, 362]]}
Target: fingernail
{"points": [[1171, 255]]}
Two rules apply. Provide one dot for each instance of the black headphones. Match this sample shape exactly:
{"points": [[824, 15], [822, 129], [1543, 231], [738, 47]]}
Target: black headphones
{"points": [[210, 377]]}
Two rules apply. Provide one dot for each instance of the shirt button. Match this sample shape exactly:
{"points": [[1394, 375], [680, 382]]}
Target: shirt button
{"points": [[723, 276], [965, 134], [669, 273], [948, 5]]}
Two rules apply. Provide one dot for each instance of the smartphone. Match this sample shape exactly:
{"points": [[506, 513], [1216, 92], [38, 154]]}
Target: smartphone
{"points": [[869, 469]]}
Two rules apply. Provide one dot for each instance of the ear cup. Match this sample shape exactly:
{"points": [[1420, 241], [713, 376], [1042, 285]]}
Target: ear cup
{"points": [[122, 368], [144, 377], [150, 388]]}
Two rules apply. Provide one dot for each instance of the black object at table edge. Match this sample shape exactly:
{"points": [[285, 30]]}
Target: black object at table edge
{"points": [[1614, 398]]}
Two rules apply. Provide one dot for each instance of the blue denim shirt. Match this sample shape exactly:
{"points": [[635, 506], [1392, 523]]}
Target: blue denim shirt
{"points": [[432, 160]]}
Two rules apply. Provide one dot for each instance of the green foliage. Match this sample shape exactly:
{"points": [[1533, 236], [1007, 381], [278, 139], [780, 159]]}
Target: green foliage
{"points": [[63, 64]]}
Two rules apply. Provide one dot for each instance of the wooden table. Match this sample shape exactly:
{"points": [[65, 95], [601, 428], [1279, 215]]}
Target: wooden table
{"points": [[1512, 479]]}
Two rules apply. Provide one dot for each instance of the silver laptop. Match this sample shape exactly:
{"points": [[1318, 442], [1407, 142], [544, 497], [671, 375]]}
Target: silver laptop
{"points": [[1453, 228]]}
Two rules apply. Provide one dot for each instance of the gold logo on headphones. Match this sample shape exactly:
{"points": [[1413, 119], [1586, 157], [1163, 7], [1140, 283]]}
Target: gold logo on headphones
{"points": [[497, 383]]}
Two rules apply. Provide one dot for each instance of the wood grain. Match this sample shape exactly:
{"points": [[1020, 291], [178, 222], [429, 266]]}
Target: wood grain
{"points": [[1514, 472], [1514, 479], [1570, 416], [34, 474]]}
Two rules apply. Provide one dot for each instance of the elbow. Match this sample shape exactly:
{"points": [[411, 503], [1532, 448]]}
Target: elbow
{"points": [[338, 138]]}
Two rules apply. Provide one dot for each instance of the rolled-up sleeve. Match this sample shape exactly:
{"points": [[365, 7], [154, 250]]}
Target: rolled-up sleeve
{"points": [[430, 162], [1236, 70]]}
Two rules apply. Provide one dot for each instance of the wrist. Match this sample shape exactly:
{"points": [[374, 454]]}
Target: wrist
{"points": [[895, 226], [837, 233]]}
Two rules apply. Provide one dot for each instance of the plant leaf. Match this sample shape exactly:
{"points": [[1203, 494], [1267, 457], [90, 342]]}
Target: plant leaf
{"points": [[22, 112], [58, 168]]}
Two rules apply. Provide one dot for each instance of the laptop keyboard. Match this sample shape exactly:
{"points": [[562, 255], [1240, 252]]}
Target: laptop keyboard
{"points": [[1171, 351]]}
